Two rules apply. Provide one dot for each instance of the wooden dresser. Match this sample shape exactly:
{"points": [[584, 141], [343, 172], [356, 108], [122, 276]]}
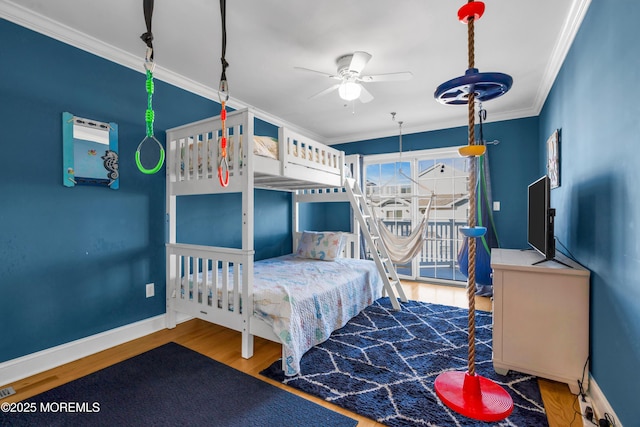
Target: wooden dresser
{"points": [[540, 316]]}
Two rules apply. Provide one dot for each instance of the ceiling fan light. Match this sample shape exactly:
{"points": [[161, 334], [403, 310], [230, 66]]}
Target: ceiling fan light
{"points": [[349, 91]]}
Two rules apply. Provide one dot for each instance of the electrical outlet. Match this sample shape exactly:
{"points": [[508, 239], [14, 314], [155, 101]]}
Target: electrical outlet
{"points": [[496, 206], [6, 392], [150, 290]]}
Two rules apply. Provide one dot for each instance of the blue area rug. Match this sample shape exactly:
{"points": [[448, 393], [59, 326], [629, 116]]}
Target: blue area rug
{"points": [[169, 386], [383, 364]]}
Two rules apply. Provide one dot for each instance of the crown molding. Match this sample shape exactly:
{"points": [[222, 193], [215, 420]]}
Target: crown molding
{"points": [[568, 33], [462, 121]]}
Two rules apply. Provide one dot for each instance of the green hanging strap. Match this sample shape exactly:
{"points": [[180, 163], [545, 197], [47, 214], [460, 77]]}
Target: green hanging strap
{"points": [[149, 116], [149, 65]]}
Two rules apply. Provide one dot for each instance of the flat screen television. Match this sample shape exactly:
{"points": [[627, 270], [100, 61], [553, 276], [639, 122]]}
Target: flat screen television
{"points": [[540, 235]]}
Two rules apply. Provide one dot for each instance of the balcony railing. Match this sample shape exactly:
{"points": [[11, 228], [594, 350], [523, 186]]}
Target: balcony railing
{"points": [[442, 243]]}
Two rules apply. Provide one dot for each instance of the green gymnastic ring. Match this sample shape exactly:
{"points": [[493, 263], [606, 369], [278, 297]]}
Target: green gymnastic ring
{"points": [[160, 161]]}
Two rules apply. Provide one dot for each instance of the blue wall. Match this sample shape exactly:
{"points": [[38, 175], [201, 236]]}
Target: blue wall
{"points": [[75, 261], [216, 220], [335, 216], [594, 103], [514, 163]]}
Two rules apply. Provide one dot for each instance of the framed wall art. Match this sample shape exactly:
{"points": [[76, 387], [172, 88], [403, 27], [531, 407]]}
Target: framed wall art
{"points": [[553, 159], [89, 152]]}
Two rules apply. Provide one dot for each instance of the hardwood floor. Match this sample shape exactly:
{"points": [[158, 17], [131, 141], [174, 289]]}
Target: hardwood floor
{"points": [[224, 345]]}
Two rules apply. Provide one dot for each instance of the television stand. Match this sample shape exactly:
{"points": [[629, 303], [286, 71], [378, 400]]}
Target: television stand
{"points": [[554, 259], [540, 316]]}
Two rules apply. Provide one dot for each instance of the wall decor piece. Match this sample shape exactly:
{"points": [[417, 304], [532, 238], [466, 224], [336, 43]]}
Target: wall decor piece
{"points": [[553, 159], [89, 152]]}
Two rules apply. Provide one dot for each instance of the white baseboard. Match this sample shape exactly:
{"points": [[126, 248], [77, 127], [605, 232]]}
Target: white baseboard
{"points": [[31, 364], [600, 403]]}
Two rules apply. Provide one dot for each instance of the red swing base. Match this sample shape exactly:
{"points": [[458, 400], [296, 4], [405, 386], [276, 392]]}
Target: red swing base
{"points": [[473, 396]]}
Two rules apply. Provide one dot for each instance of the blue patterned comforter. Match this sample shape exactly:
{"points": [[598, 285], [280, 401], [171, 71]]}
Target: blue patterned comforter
{"points": [[305, 300]]}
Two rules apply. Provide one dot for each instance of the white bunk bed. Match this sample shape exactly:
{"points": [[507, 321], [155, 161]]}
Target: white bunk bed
{"points": [[211, 282]]}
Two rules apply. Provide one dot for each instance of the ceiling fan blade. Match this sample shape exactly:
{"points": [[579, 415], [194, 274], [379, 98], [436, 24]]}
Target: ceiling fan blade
{"points": [[365, 95], [333, 76], [390, 77], [358, 61], [326, 91]]}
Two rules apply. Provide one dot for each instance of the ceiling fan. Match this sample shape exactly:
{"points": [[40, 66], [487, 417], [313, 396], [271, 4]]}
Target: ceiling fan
{"points": [[349, 74]]}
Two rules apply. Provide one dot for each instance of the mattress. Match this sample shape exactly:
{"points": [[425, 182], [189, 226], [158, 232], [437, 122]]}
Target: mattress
{"points": [[303, 300]]}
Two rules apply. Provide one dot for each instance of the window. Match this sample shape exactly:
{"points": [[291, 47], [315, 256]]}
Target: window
{"points": [[399, 188]]}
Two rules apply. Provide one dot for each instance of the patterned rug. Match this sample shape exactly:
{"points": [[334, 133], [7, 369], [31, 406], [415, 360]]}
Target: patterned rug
{"points": [[383, 364]]}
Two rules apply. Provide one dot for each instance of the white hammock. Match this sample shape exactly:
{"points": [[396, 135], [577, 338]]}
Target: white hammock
{"points": [[402, 249]]}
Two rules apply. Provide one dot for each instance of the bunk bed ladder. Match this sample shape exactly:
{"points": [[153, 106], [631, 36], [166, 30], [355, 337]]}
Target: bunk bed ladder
{"points": [[377, 249]]}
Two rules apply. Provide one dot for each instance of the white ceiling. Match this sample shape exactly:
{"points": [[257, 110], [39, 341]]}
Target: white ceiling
{"points": [[267, 39]]}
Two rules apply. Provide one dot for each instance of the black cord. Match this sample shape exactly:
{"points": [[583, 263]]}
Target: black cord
{"points": [[583, 392], [225, 64], [575, 412], [566, 249], [147, 37], [482, 115]]}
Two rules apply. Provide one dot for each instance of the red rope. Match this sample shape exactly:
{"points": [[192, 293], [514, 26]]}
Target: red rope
{"points": [[223, 164]]}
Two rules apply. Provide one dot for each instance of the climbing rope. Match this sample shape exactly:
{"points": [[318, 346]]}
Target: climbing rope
{"points": [[223, 96], [149, 66], [471, 283]]}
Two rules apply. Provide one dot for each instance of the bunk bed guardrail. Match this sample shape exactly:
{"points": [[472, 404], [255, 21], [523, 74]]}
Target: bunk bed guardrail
{"points": [[291, 162], [192, 288]]}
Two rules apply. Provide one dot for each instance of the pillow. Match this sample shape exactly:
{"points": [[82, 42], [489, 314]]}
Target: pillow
{"points": [[323, 245], [265, 146]]}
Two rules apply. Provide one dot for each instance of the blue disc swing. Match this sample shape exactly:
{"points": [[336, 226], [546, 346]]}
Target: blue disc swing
{"points": [[485, 86], [467, 393]]}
